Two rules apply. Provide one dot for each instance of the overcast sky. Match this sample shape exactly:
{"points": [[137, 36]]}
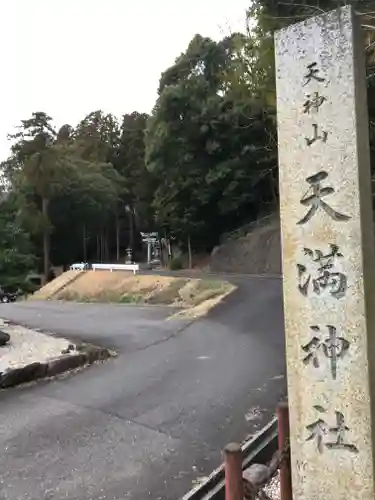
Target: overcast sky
{"points": [[70, 57]]}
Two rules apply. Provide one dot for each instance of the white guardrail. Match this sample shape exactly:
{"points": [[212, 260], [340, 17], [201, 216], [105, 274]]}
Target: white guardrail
{"points": [[81, 266], [116, 267]]}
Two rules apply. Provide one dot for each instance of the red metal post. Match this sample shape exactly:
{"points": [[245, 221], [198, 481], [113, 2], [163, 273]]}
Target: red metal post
{"points": [[283, 438], [233, 472]]}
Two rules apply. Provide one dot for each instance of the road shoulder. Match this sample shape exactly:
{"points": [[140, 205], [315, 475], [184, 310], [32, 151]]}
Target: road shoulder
{"points": [[30, 355]]}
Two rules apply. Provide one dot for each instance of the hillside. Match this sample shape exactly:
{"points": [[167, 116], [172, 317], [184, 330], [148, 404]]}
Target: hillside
{"points": [[256, 250], [194, 296]]}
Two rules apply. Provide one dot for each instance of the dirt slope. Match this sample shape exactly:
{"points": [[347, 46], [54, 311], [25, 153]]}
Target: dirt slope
{"points": [[123, 287], [49, 290]]}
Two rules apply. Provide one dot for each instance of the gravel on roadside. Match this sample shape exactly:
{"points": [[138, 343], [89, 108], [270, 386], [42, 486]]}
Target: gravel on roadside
{"points": [[272, 488], [28, 346]]}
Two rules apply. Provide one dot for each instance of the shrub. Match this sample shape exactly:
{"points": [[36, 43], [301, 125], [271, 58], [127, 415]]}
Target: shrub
{"points": [[176, 264]]}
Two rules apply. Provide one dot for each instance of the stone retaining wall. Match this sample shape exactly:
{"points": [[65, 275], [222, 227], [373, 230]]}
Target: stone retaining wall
{"points": [[259, 252]]}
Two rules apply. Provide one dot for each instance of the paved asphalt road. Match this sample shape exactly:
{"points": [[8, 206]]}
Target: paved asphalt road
{"points": [[149, 422]]}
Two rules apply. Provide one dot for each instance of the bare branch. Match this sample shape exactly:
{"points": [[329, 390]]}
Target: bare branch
{"points": [[292, 4], [365, 14], [287, 17]]}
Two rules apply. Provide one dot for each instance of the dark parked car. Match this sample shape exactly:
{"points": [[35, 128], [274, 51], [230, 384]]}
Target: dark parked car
{"points": [[7, 297]]}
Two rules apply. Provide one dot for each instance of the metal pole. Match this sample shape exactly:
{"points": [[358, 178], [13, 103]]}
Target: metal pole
{"points": [[283, 440], [233, 472]]}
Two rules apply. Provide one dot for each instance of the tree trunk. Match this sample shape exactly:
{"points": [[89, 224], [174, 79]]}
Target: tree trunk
{"points": [[162, 260], [167, 247], [46, 240], [102, 257], [97, 248], [117, 238], [190, 254], [106, 245], [84, 241], [131, 230]]}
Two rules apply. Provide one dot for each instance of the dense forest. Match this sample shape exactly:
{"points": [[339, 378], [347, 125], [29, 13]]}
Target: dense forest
{"points": [[203, 163]]}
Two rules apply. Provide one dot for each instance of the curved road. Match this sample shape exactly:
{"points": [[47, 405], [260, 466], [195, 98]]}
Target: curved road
{"points": [[151, 421]]}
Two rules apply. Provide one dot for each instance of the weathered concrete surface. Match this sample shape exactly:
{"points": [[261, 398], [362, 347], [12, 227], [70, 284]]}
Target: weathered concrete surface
{"points": [[328, 258], [152, 420]]}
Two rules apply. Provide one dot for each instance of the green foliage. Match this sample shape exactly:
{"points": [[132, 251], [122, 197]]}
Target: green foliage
{"points": [[129, 160], [64, 179], [176, 264], [129, 298], [210, 142], [16, 250]]}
